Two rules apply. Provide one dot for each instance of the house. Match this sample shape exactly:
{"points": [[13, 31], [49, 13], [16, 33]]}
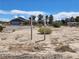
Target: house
{"points": [[17, 21]]}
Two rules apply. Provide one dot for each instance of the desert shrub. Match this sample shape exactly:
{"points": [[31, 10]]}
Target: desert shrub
{"points": [[43, 30], [26, 23], [13, 30], [64, 48], [39, 25], [56, 24], [1, 28]]}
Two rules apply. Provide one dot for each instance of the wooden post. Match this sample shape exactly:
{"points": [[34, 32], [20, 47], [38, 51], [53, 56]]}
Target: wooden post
{"points": [[44, 33], [31, 28], [44, 29]]}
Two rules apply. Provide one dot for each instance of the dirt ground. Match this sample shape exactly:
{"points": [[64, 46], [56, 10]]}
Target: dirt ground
{"points": [[19, 42]]}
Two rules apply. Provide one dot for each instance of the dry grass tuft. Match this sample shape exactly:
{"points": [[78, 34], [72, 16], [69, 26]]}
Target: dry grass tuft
{"points": [[31, 47], [64, 48]]}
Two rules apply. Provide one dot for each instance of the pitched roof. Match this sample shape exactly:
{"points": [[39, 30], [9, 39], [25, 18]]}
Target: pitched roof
{"points": [[18, 19]]}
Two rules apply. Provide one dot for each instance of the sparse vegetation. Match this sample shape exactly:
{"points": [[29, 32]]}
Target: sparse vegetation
{"points": [[56, 24], [1, 28], [13, 30], [64, 48], [39, 25], [46, 30], [31, 47]]}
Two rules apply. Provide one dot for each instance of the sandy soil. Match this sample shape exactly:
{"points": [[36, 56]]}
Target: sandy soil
{"points": [[17, 42]]}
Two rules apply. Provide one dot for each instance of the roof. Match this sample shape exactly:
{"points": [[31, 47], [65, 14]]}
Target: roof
{"points": [[18, 19]]}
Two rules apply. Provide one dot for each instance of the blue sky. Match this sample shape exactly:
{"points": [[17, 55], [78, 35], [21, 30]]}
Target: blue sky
{"points": [[51, 6], [45, 6]]}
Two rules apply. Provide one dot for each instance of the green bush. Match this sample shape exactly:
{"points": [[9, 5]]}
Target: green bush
{"points": [[56, 24], [1, 28], [39, 25], [46, 30]]}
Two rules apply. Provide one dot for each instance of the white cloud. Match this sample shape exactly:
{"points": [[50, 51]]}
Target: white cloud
{"points": [[3, 12], [61, 15], [27, 12], [22, 12], [22, 16]]}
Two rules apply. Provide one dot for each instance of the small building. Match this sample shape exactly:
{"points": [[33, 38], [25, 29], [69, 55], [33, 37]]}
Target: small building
{"points": [[17, 21]]}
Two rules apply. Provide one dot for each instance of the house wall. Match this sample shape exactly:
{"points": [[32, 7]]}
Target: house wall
{"points": [[16, 22]]}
